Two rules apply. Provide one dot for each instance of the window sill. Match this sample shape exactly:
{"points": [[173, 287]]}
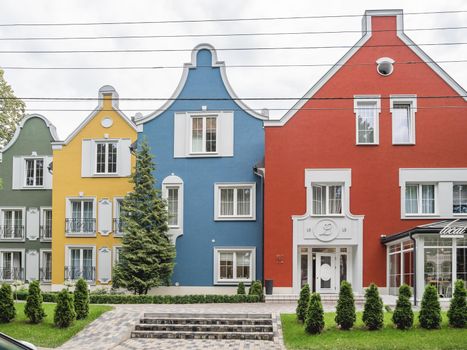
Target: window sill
{"points": [[80, 234], [235, 218], [232, 282], [328, 215], [367, 144], [3, 239], [404, 144], [107, 175]]}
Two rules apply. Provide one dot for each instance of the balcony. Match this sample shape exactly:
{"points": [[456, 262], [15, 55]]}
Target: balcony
{"points": [[74, 273], [118, 227], [45, 274], [80, 226], [11, 273], [46, 233], [12, 232]]}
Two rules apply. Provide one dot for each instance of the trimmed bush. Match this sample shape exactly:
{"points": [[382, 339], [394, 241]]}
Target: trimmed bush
{"points": [[256, 288], [241, 289], [81, 299], [373, 314], [7, 305], [403, 314], [457, 313], [303, 301], [430, 311], [33, 309], [64, 314], [345, 310], [314, 320]]}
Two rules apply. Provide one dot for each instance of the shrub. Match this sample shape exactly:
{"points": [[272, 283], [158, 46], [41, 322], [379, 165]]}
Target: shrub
{"points": [[430, 311], [7, 305], [345, 310], [403, 314], [256, 288], [457, 313], [241, 289], [64, 314], [303, 301], [81, 299], [314, 320], [33, 309], [373, 315]]}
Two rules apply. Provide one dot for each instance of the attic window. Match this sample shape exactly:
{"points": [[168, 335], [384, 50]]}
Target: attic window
{"points": [[385, 66]]}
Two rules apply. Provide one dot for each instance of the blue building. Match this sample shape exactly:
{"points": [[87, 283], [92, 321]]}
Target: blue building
{"points": [[208, 148]]}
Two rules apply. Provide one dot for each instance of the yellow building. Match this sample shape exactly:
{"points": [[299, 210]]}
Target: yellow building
{"points": [[91, 175]]}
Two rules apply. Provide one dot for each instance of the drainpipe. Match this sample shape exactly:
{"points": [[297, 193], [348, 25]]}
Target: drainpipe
{"points": [[414, 258], [261, 175]]}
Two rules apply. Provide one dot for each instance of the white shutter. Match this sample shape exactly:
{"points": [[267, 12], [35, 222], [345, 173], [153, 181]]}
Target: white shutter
{"points": [[87, 158], [124, 157], [17, 180], [104, 225], [32, 265], [104, 265], [181, 135], [47, 174], [32, 223], [225, 135]]}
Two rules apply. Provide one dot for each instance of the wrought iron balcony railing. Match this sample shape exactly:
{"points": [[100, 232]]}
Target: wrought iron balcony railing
{"points": [[46, 232], [11, 273], [45, 274], [79, 225], [75, 273], [14, 232]]}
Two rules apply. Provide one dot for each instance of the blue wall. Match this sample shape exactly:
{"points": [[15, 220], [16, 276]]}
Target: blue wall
{"points": [[194, 262]]}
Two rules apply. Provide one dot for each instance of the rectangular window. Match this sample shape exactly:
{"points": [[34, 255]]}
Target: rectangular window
{"points": [[46, 227], [81, 264], [235, 265], [82, 216], [402, 124], [34, 172], [11, 266], [235, 201], [12, 227], [106, 157], [117, 251], [438, 269], [172, 205], [459, 194], [419, 199], [367, 123], [327, 199], [204, 134], [118, 224], [46, 267]]}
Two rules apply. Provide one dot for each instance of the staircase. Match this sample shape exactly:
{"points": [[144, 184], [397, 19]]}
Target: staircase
{"points": [[205, 326]]}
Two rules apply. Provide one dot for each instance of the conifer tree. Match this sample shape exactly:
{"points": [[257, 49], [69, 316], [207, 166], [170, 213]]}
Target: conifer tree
{"points": [[81, 299], [457, 312], [373, 314], [64, 314], [7, 304], [345, 310], [147, 255], [241, 289], [33, 309], [314, 321], [430, 311], [403, 314], [303, 301], [256, 288]]}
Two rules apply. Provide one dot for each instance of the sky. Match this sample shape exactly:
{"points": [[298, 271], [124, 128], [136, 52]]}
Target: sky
{"points": [[160, 83]]}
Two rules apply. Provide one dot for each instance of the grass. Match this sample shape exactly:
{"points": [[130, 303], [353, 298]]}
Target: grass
{"points": [[46, 334], [359, 338]]}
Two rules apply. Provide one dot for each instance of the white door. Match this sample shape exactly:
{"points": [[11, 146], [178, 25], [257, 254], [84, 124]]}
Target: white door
{"points": [[326, 273]]}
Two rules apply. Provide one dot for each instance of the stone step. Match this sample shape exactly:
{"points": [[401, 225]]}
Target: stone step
{"points": [[168, 315], [203, 335], [203, 328], [197, 320]]}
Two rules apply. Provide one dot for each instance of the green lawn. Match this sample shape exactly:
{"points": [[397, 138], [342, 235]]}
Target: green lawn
{"points": [[359, 338], [46, 334]]}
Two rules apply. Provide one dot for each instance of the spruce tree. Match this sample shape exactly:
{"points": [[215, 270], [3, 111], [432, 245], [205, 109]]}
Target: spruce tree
{"points": [[430, 311], [314, 321], [373, 314], [345, 310], [303, 301], [147, 255], [256, 288], [241, 289], [457, 313], [7, 304], [64, 314], [81, 299], [33, 309], [403, 314]]}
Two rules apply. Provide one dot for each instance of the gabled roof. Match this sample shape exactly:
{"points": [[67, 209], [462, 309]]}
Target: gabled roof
{"points": [[186, 68], [106, 89], [367, 32], [19, 127]]}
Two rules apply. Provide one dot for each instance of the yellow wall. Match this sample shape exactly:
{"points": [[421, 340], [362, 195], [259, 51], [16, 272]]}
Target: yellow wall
{"points": [[67, 182]]}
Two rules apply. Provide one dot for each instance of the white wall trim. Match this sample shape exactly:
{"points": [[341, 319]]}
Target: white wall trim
{"points": [[175, 181], [219, 185], [412, 101], [218, 250], [370, 99]]}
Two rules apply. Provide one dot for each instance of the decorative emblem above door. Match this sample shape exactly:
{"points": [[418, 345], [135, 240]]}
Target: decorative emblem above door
{"points": [[325, 230]]}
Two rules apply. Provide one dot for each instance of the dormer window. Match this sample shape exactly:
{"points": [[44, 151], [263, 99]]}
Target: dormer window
{"points": [[204, 134]]}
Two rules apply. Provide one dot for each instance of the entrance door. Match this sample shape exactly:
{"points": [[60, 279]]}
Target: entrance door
{"points": [[326, 272]]}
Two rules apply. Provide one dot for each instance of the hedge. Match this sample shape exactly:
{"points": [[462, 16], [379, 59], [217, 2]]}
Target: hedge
{"points": [[154, 299]]}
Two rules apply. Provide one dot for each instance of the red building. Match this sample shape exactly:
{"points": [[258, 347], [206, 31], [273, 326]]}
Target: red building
{"points": [[375, 150]]}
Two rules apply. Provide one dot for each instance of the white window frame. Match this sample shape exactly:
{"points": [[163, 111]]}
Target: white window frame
{"points": [[69, 213], [106, 143], [2, 223], [327, 185], [419, 198], [217, 254], [41, 266], [116, 216], [173, 181], [68, 249], [410, 100], [43, 221], [463, 184], [234, 186], [115, 249], [204, 116], [25, 172], [367, 99], [14, 250]]}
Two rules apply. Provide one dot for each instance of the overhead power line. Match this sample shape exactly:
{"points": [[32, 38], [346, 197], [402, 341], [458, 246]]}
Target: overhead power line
{"points": [[214, 19]]}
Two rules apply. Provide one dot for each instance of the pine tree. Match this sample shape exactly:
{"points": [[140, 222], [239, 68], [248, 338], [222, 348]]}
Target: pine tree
{"points": [[314, 321], [430, 311], [457, 312], [11, 111], [81, 299], [373, 314], [64, 314], [403, 314], [345, 310], [241, 289], [147, 255], [33, 309], [7, 304], [303, 301]]}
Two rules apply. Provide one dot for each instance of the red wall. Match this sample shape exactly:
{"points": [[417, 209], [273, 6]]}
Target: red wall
{"points": [[326, 139]]}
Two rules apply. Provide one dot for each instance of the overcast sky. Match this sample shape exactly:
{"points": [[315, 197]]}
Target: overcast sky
{"points": [[247, 82]]}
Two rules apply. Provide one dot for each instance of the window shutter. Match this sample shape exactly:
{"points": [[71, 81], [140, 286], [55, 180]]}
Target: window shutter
{"points": [[47, 174], [226, 134], [86, 158], [124, 157], [18, 173], [105, 217], [181, 135], [104, 265], [32, 265], [32, 224]]}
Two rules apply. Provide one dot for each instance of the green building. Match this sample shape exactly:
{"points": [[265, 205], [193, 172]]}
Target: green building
{"points": [[26, 202]]}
